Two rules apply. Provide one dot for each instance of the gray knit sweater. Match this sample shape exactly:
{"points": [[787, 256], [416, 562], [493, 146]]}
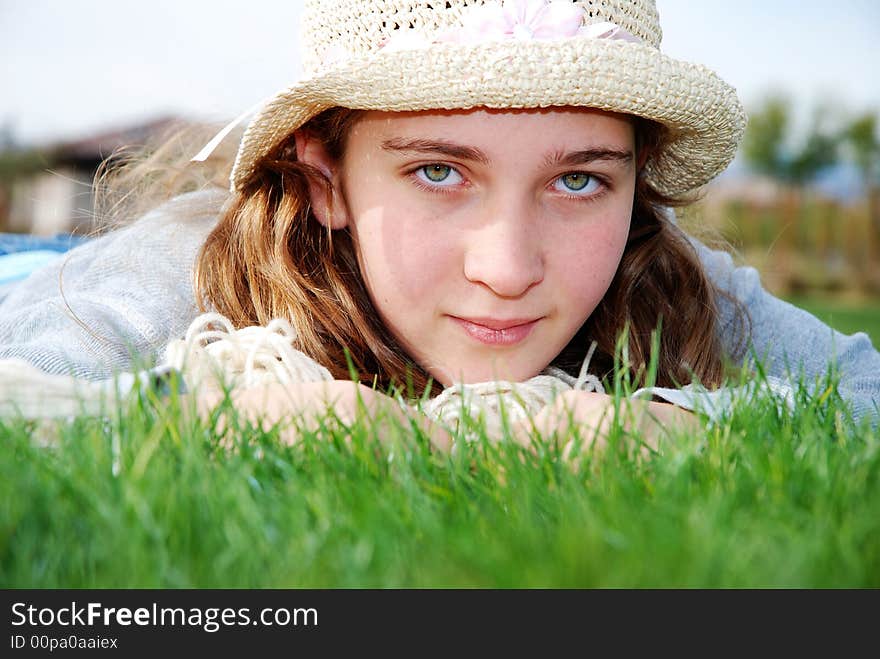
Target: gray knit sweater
{"points": [[130, 292]]}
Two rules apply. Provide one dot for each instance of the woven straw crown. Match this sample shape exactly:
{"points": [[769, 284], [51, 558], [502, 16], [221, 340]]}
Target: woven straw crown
{"points": [[352, 59]]}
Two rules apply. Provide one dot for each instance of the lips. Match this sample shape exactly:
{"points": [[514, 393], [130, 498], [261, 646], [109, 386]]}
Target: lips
{"points": [[497, 331]]}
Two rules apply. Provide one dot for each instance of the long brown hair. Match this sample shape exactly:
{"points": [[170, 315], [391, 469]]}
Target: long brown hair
{"points": [[269, 257]]}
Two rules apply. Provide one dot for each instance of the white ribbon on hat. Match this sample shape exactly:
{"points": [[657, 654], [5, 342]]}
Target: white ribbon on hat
{"points": [[608, 30], [215, 141]]}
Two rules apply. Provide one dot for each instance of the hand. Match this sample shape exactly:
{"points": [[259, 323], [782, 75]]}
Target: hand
{"points": [[306, 406], [590, 416]]}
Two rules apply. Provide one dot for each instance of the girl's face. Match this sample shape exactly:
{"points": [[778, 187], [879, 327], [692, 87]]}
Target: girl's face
{"points": [[486, 238]]}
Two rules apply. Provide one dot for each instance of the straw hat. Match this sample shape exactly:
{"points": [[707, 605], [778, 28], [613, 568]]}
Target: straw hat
{"points": [[454, 54]]}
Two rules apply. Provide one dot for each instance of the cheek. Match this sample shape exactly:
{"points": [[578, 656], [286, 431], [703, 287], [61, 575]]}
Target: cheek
{"points": [[587, 262], [402, 260]]}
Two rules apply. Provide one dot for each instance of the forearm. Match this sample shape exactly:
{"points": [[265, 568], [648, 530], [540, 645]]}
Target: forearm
{"points": [[591, 418], [307, 407]]}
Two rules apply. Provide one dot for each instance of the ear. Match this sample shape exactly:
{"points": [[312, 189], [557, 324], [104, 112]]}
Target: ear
{"points": [[328, 205]]}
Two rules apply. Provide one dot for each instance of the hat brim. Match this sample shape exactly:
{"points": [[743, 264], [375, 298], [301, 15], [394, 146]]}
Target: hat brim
{"points": [[703, 114]]}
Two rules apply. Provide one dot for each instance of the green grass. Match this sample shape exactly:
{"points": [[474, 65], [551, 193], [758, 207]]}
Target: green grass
{"points": [[845, 317], [150, 499]]}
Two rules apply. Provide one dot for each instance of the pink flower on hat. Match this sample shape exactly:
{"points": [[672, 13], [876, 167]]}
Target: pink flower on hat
{"points": [[522, 19], [513, 19]]}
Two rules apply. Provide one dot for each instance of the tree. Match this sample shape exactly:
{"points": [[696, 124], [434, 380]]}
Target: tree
{"points": [[863, 145], [769, 147], [763, 144]]}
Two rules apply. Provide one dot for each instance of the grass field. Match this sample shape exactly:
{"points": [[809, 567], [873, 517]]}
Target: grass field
{"points": [[146, 498]]}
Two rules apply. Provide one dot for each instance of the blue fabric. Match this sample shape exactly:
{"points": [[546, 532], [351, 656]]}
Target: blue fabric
{"points": [[21, 254], [11, 243], [19, 265]]}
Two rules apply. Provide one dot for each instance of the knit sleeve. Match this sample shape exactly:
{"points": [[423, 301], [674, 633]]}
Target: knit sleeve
{"points": [[790, 342], [114, 302]]}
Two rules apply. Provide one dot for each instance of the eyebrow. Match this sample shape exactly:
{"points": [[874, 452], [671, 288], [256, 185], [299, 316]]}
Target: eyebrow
{"points": [[453, 150], [587, 156], [442, 147]]}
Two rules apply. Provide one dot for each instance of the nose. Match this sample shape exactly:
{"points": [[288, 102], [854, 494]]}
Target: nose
{"points": [[504, 251]]}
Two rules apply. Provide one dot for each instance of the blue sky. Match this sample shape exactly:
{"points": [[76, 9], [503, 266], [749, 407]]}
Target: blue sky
{"points": [[68, 68]]}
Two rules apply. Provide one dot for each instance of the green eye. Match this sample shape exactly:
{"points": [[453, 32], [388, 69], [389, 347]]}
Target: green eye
{"points": [[576, 181], [437, 173]]}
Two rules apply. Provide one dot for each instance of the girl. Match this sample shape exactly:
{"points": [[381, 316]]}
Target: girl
{"points": [[455, 193]]}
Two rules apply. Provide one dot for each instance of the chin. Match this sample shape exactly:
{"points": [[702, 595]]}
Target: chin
{"points": [[473, 376]]}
